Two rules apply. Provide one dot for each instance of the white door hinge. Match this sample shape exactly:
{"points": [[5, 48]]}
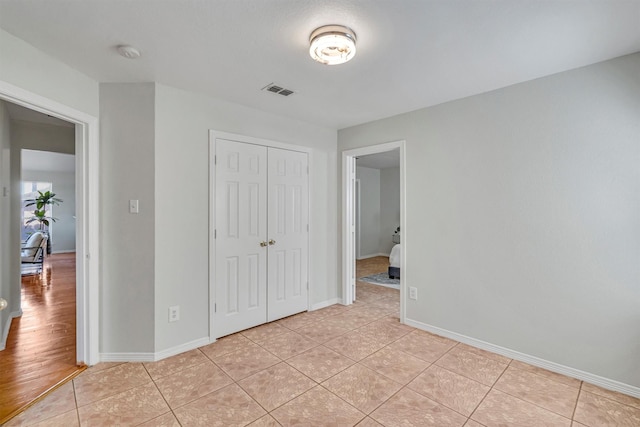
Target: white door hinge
{"points": [[215, 308], [215, 159], [215, 234]]}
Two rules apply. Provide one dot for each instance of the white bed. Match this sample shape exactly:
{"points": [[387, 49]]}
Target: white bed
{"points": [[395, 260]]}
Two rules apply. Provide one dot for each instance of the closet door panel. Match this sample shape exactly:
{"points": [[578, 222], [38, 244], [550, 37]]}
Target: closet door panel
{"points": [[241, 227], [288, 219]]}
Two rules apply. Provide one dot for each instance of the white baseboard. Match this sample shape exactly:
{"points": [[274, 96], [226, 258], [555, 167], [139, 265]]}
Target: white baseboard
{"points": [[532, 360], [63, 252], [182, 348], [154, 357], [361, 257], [7, 326], [324, 304], [127, 357]]}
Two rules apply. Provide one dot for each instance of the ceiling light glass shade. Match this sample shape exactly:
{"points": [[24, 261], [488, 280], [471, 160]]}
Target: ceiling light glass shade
{"points": [[332, 44]]}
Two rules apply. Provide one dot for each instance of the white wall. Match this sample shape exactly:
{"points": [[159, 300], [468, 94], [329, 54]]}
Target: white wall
{"points": [[389, 207], [63, 231], [43, 137], [380, 209], [522, 216], [183, 120], [30, 69], [6, 243], [127, 135], [369, 211]]}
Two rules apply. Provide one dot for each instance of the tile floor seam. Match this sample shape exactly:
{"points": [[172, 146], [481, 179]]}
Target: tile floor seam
{"points": [[353, 406], [75, 399], [467, 377], [531, 403], [634, 408], [413, 378], [259, 404], [455, 373], [299, 371], [163, 396], [426, 397], [545, 377], [535, 404], [432, 398], [270, 352], [116, 393], [481, 401], [573, 415], [610, 399]]}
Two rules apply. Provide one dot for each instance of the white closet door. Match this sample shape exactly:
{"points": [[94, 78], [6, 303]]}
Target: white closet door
{"points": [[241, 228], [288, 219]]}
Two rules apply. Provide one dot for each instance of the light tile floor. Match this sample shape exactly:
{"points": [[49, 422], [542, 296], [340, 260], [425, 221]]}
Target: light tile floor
{"points": [[338, 366]]}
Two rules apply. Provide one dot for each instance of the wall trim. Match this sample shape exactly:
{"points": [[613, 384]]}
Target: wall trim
{"points": [[326, 303], [188, 346], [7, 326], [127, 357], [154, 357], [532, 360]]}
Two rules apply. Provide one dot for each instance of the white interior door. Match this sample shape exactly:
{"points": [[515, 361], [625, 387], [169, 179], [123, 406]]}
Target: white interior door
{"points": [[240, 236], [288, 225]]}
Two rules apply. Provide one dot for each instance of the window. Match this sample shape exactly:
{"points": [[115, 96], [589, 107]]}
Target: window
{"points": [[30, 191]]}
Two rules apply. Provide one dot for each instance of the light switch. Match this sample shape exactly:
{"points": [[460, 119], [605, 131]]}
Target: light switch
{"points": [[133, 206]]}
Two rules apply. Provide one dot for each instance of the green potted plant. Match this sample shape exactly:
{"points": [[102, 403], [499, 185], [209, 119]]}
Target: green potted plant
{"points": [[40, 213]]}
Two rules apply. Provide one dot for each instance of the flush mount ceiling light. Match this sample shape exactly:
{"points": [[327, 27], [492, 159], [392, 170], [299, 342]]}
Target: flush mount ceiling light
{"points": [[332, 44]]}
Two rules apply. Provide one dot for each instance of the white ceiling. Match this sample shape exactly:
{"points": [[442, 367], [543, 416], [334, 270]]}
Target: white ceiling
{"points": [[34, 160], [388, 159], [411, 53]]}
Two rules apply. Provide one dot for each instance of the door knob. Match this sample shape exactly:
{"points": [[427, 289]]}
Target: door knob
{"points": [[272, 242], [263, 244]]}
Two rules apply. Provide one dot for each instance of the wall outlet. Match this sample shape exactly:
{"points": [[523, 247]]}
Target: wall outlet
{"points": [[413, 293], [174, 313]]}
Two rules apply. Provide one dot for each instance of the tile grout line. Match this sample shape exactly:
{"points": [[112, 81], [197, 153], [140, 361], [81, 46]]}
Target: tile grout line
{"points": [[75, 400], [490, 389], [575, 407], [164, 398]]}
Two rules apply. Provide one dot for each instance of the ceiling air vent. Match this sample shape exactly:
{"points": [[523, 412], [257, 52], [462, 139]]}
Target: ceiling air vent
{"points": [[272, 87]]}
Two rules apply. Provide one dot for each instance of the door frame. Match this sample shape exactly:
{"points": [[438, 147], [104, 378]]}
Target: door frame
{"points": [[87, 214], [216, 134], [348, 218], [358, 218]]}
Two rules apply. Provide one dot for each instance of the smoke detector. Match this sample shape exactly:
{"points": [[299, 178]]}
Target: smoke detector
{"points": [[128, 51]]}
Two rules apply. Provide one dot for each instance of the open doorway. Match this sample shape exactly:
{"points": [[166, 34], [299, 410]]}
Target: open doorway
{"points": [[378, 228], [368, 238], [42, 340], [84, 131]]}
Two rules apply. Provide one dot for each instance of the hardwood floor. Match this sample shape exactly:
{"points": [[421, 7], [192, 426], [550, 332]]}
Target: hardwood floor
{"points": [[41, 346], [368, 266]]}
